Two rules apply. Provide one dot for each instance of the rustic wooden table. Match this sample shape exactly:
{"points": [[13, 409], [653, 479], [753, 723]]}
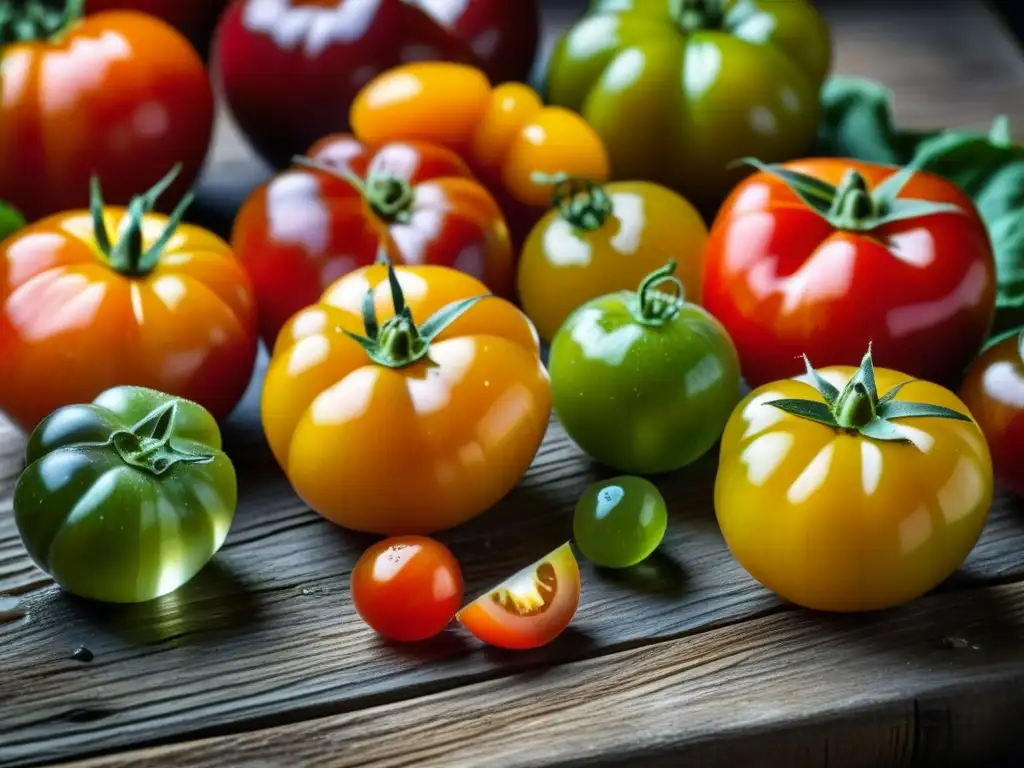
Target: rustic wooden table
{"points": [[261, 659]]}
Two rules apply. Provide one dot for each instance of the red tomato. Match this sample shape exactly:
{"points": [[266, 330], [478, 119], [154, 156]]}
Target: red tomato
{"points": [[196, 19], [407, 588], [120, 94], [291, 68], [306, 228], [828, 272], [994, 393], [530, 609]]}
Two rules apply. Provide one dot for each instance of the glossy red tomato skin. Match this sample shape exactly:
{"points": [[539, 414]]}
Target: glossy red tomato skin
{"points": [[407, 588], [784, 282], [304, 229], [132, 99], [289, 70], [196, 19], [993, 390], [504, 35]]}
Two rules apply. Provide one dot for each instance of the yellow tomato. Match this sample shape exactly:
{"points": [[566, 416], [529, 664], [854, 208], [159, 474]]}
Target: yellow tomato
{"points": [[600, 239], [832, 519], [416, 429]]}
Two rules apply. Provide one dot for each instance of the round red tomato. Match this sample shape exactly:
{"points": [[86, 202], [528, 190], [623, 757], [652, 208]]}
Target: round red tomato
{"points": [[307, 227], [530, 609], [196, 19], [291, 68], [407, 588], [124, 97], [822, 257], [994, 393]]}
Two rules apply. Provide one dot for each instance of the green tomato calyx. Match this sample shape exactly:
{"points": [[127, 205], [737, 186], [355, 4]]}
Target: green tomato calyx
{"points": [[851, 206], [699, 15], [148, 446], [654, 307], [128, 255], [390, 197], [37, 20], [399, 341], [858, 408], [584, 203]]}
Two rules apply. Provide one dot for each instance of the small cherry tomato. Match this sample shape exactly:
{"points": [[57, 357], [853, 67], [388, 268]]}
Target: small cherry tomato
{"points": [[601, 239], [407, 588], [506, 134], [437, 385], [994, 391], [334, 212], [530, 609], [823, 256], [121, 95], [161, 305], [852, 489], [644, 381], [620, 522]]}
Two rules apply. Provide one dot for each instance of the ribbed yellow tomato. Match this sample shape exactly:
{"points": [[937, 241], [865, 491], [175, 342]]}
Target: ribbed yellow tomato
{"points": [[832, 519]]}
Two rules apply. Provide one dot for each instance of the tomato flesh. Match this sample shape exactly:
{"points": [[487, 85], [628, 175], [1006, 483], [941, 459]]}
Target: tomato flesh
{"points": [[407, 588], [531, 608]]}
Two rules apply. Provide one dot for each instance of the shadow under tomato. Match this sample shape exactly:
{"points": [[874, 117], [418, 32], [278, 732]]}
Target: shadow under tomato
{"points": [[572, 644], [451, 642], [216, 602], [660, 574]]}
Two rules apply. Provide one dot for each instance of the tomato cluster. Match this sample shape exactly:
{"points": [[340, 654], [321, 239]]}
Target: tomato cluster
{"points": [[432, 220]]}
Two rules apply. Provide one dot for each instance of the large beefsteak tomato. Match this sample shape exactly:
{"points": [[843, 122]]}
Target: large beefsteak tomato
{"points": [[824, 256], [312, 224], [119, 94]]}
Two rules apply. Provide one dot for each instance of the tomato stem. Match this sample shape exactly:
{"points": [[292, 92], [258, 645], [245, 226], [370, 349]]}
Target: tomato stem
{"points": [[852, 204], [36, 20], [390, 197], [584, 203], [147, 445], [698, 15], [654, 307]]}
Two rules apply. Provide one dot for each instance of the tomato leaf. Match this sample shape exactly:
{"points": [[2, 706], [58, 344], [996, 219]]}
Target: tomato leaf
{"points": [[445, 316], [889, 396], [816, 193], [807, 409], [901, 409], [899, 210], [824, 386], [11, 220], [857, 122], [880, 429]]}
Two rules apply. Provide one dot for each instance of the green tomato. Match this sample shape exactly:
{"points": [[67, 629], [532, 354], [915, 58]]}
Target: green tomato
{"points": [[679, 89], [644, 382], [127, 498], [620, 522]]}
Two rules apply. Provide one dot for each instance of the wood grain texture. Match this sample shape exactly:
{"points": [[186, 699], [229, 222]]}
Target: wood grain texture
{"points": [[938, 682], [266, 635]]}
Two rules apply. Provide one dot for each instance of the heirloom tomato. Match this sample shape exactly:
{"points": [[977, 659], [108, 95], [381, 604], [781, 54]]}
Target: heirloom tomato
{"points": [[335, 210], [601, 239], [127, 498], [531, 608], [620, 522], [291, 68], [852, 489], [121, 95], [406, 401], [678, 89], [196, 19], [162, 305], [505, 133], [407, 588], [644, 381], [994, 391], [901, 259]]}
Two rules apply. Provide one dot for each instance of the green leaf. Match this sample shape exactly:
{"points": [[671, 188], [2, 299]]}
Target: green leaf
{"points": [[880, 429], [11, 220], [807, 409], [445, 316], [816, 193], [824, 387], [899, 210], [865, 376], [370, 324], [900, 409], [369, 345], [857, 122], [397, 297], [889, 396]]}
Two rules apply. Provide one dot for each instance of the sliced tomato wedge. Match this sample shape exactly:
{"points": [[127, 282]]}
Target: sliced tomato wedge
{"points": [[530, 609]]}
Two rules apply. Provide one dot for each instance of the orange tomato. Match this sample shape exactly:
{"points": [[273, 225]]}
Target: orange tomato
{"points": [[451, 413], [506, 133], [531, 608], [79, 315]]}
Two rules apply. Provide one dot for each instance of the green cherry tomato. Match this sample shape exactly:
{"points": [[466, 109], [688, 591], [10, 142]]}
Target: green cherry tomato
{"points": [[678, 89], [644, 382], [127, 498], [620, 522]]}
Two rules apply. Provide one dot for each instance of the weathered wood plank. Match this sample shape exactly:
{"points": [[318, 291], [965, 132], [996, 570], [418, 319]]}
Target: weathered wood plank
{"points": [[938, 682]]}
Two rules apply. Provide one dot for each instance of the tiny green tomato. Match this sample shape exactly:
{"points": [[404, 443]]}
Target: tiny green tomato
{"points": [[620, 522]]}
